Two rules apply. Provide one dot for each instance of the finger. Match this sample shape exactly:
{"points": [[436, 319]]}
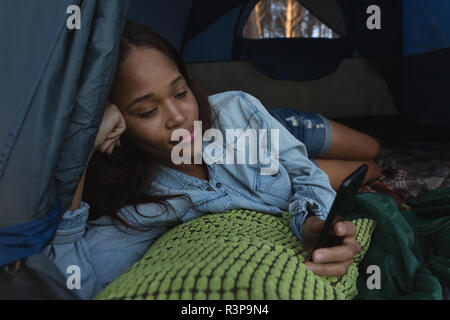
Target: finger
{"points": [[111, 148], [116, 144], [116, 132], [104, 147], [122, 123], [351, 242], [329, 269], [333, 254], [344, 229]]}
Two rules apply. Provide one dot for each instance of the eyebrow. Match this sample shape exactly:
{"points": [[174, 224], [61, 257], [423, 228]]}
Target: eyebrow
{"points": [[149, 95]]}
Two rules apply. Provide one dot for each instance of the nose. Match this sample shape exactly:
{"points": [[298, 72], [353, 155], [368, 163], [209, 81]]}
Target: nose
{"points": [[175, 116]]}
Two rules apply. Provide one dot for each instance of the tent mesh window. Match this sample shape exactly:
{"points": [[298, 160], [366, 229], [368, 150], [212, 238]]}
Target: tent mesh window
{"points": [[285, 19]]}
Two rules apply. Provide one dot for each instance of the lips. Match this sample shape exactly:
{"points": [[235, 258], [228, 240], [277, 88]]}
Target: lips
{"points": [[187, 138]]}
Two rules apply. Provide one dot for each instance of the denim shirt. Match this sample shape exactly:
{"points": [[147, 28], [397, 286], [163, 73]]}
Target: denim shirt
{"points": [[101, 252]]}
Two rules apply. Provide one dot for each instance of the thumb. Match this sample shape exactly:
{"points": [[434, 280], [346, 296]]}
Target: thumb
{"points": [[316, 224]]}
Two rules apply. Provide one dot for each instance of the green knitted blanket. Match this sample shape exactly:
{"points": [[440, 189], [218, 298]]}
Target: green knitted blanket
{"points": [[239, 254]]}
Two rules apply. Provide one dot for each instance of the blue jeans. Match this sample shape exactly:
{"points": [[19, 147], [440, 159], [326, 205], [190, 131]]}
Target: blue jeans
{"points": [[312, 129]]}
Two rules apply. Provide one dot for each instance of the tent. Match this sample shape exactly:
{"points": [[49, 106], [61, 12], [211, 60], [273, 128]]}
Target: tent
{"points": [[55, 82], [56, 78]]}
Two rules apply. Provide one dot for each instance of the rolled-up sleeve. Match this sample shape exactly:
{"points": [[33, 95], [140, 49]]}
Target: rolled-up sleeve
{"points": [[69, 252], [95, 253]]}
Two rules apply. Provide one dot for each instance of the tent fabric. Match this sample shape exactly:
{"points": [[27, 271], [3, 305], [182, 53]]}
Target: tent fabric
{"points": [[155, 13], [37, 278], [215, 42], [24, 240], [425, 26], [354, 89], [409, 33], [214, 39], [426, 78], [206, 12], [426, 66], [294, 59], [408, 26], [333, 12], [378, 43], [56, 83]]}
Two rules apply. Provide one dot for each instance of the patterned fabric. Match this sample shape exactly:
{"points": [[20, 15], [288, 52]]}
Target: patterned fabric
{"points": [[411, 172], [239, 254]]}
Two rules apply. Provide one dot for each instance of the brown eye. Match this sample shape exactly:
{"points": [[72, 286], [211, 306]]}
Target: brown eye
{"points": [[181, 95], [147, 114]]}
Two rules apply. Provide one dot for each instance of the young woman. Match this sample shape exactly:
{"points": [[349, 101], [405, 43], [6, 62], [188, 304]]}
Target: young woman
{"points": [[134, 192]]}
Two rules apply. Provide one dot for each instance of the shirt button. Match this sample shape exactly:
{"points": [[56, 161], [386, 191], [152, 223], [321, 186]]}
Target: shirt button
{"points": [[209, 189], [218, 184]]}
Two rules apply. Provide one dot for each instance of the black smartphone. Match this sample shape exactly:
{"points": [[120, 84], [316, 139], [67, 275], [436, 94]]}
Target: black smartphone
{"points": [[342, 204]]}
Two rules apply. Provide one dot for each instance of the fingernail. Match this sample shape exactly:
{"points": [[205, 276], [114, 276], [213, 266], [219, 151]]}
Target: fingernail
{"points": [[308, 266], [318, 256]]}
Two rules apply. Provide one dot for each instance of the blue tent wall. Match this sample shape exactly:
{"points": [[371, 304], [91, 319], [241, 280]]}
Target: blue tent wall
{"points": [[167, 17], [414, 32], [54, 88], [426, 26], [426, 66], [215, 43]]}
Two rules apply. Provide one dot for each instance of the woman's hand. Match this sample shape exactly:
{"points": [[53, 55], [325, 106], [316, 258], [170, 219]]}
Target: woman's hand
{"points": [[333, 261], [112, 127]]}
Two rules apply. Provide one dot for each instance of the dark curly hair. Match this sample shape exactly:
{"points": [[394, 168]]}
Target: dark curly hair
{"points": [[119, 180]]}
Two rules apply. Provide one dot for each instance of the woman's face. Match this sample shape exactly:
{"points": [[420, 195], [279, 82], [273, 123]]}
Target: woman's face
{"points": [[154, 100]]}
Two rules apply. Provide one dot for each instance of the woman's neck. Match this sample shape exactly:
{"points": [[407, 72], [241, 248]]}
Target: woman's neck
{"points": [[196, 170]]}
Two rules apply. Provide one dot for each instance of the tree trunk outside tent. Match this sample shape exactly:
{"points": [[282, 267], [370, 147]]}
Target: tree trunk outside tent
{"points": [[285, 19]]}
